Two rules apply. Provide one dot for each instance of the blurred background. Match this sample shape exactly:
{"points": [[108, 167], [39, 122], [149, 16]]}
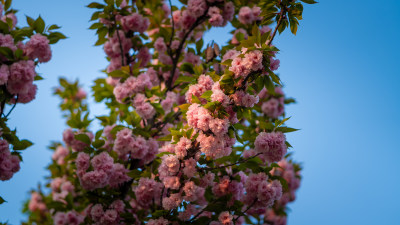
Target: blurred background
{"points": [[342, 68]]}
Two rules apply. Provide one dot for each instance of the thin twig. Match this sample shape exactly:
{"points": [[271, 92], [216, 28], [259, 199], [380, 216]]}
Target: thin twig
{"points": [[173, 28], [16, 101], [175, 59], [251, 205], [281, 15]]}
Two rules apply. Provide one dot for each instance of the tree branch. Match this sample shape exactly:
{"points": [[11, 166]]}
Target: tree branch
{"points": [[281, 15], [178, 52]]}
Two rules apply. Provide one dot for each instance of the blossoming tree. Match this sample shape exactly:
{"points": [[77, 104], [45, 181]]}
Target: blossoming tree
{"points": [[194, 132], [21, 50]]}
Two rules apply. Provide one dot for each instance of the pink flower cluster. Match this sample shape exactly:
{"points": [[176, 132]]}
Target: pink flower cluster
{"points": [[197, 8], [234, 40], [38, 47], [242, 98], [204, 83], [287, 171], [60, 188], [192, 58], [36, 203], [9, 164], [74, 144], [252, 61], [159, 221], [116, 47], [104, 216], [216, 19], [59, 154], [248, 15], [218, 95], [68, 218], [275, 105], [169, 100], [19, 76], [135, 22], [126, 145], [131, 86], [105, 172], [147, 191], [262, 192], [271, 145]]}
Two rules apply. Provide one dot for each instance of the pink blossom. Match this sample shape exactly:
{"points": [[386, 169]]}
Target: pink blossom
{"points": [[144, 56], [159, 221], [171, 182], [160, 45], [28, 96], [7, 41], [246, 15], [94, 179], [182, 146], [102, 161], [113, 46], [240, 30], [216, 19], [272, 145], [4, 73], [38, 47], [21, 77], [191, 58], [225, 218], [274, 64], [219, 126], [123, 142], [188, 18], [172, 202], [135, 22], [146, 191], [169, 165], [190, 167], [10, 16], [229, 11], [144, 109], [197, 7], [273, 108], [59, 154], [231, 54], [96, 212]]}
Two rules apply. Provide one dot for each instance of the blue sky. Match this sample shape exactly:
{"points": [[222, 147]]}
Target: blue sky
{"points": [[342, 67]]}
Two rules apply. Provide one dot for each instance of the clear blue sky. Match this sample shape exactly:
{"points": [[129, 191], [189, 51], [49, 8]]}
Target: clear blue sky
{"points": [[342, 67]]}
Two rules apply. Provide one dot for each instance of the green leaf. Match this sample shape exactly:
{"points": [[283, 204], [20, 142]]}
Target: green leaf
{"points": [[207, 95], [187, 67], [98, 143], [269, 85], [309, 1], [30, 21], [159, 109], [199, 46], [7, 52], [39, 25], [286, 129], [182, 79], [37, 77], [95, 5], [2, 200], [21, 145], [134, 174], [7, 5], [83, 137], [53, 27]]}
